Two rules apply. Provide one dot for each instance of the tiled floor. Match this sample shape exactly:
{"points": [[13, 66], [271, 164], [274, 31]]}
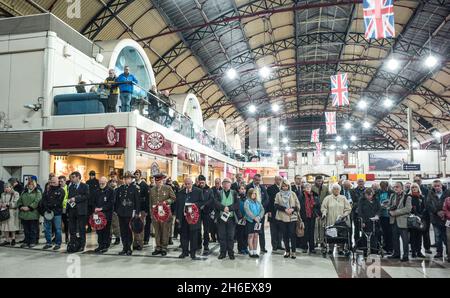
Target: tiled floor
{"points": [[16, 262]]}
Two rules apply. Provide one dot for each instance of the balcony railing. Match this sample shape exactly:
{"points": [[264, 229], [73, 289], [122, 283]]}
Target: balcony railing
{"points": [[93, 98]]}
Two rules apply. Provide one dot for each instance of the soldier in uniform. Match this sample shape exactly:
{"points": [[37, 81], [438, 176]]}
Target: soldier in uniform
{"points": [[104, 202], [142, 186], [158, 194], [126, 207]]}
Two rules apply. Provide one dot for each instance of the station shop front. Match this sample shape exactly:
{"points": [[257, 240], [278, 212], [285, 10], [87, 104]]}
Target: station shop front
{"points": [[190, 164], [154, 154], [100, 150]]}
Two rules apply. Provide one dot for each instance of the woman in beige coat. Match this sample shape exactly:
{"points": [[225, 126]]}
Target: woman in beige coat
{"points": [[10, 226], [334, 207], [288, 208]]}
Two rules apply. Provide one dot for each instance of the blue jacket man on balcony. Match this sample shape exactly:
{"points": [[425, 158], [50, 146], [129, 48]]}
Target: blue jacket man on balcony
{"points": [[126, 89]]}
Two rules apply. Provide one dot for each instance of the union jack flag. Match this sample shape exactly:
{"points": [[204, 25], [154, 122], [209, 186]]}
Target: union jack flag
{"points": [[318, 148], [315, 135], [339, 90], [330, 121], [379, 18]]}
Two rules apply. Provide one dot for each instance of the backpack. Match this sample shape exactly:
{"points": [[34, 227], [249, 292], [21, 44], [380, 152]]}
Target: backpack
{"points": [[74, 245]]}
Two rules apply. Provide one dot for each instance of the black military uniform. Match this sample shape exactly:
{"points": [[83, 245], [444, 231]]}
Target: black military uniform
{"points": [[142, 186], [126, 206], [94, 186], [104, 199], [205, 216]]}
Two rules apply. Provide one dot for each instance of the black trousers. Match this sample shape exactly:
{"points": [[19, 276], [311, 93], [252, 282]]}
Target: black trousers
{"points": [[226, 232], [125, 233], [147, 227], [386, 228], [275, 233], [65, 220], [241, 237], [426, 235], [289, 235], [212, 228], [357, 227], [104, 236], [398, 233], [262, 235], [77, 223], [189, 239], [205, 224], [309, 233], [415, 237], [29, 229]]}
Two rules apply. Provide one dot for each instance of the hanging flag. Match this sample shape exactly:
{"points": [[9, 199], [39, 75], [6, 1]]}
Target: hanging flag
{"points": [[315, 135], [339, 90], [379, 18], [318, 148], [330, 121]]}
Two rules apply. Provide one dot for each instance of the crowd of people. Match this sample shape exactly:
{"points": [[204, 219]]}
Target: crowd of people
{"points": [[133, 209]]}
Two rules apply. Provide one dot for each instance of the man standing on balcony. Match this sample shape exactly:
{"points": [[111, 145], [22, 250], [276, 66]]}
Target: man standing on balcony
{"points": [[126, 81], [113, 91]]}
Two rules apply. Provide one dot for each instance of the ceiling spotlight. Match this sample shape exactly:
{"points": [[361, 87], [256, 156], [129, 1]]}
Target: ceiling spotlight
{"points": [[288, 148], [338, 138], [231, 73], [263, 128], [264, 72], [387, 103], [347, 125], [437, 134], [275, 107], [345, 147], [353, 138], [285, 140], [362, 104], [392, 64], [366, 124], [289, 155], [252, 108], [282, 128], [333, 147], [270, 141], [431, 61], [338, 153]]}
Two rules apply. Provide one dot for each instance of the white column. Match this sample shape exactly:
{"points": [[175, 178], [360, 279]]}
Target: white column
{"points": [[206, 169], [44, 167], [130, 151], [48, 84], [175, 162]]}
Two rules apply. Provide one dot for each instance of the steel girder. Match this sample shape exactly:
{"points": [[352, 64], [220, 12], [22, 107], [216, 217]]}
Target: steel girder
{"points": [[103, 17]]}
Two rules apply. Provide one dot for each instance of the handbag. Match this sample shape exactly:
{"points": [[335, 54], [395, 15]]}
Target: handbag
{"points": [[299, 227], [4, 214], [415, 222]]}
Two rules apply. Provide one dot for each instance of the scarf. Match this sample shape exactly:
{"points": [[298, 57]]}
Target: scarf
{"points": [[309, 204], [286, 197]]}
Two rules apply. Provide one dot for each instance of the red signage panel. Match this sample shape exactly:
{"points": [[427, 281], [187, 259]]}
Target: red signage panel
{"points": [[153, 143], [110, 137]]}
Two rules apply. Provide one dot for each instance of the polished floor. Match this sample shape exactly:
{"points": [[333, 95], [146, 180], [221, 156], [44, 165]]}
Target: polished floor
{"points": [[37, 263]]}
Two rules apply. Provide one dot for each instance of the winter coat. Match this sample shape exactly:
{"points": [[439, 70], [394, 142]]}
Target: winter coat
{"points": [[194, 197], [281, 208], [13, 223], [402, 211], [30, 200], [334, 206], [434, 205], [52, 200]]}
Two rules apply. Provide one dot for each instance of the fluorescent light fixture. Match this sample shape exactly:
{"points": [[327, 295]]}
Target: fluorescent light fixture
{"points": [[387, 103], [282, 128], [275, 107], [347, 125], [270, 141], [431, 61], [338, 138], [252, 108], [285, 140], [353, 138], [366, 124], [333, 147], [345, 147], [392, 64]]}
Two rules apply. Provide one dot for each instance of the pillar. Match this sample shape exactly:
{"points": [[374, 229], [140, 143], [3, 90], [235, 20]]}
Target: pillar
{"points": [[130, 151], [44, 167], [175, 162]]}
